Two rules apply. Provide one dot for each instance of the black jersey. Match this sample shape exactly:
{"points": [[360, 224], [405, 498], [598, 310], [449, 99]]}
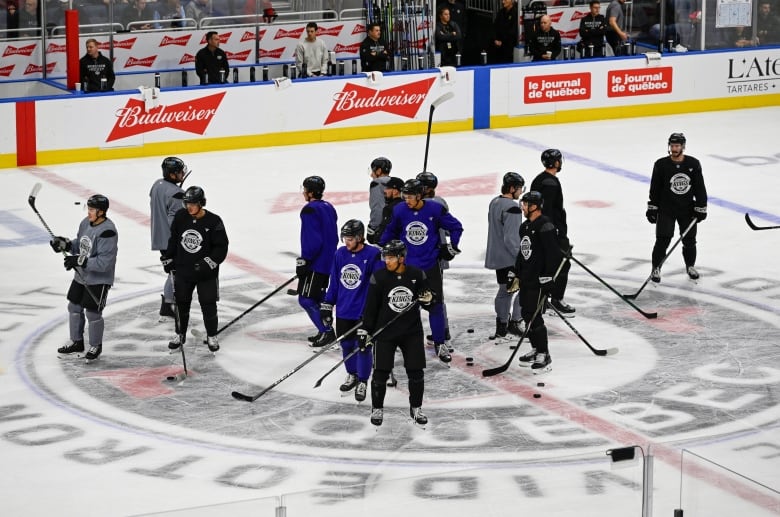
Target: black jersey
{"points": [[677, 187], [389, 294], [549, 186], [197, 241], [539, 252]]}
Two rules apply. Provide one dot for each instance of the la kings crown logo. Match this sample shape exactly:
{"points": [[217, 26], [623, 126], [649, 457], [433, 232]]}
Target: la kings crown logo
{"points": [[350, 276], [191, 241], [416, 233], [681, 183], [400, 298]]}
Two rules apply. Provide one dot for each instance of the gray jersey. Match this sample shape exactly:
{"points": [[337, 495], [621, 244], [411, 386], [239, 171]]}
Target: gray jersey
{"points": [[503, 242], [376, 200], [314, 54], [100, 245], [165, 199]]}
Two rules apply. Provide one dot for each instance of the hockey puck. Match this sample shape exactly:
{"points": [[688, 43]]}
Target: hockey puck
{"points": [[170, 378], [451, 349], [470, 331], [512, 347], [540, 384], [469, 359], [537, 396], [292, 292], [77, 202]]}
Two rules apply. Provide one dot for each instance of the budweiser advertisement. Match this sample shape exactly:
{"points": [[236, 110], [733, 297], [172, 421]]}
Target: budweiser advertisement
{"points": [[356, 100]]}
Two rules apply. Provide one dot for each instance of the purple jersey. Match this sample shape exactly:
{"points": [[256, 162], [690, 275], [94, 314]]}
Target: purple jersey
{"points": [[319, 235], [419, 230], [349, 280]]}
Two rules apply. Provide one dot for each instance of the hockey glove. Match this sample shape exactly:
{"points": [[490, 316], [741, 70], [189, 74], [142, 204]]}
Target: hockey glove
{"points": [[326, 314], [546, 285], [425, 298], [512, 282], [448, 252], [205, 266], [72, 261], [371, 235], [167, 264], [700, 213], [364, 339], [301, 267], [652, 213], [59, 244]]}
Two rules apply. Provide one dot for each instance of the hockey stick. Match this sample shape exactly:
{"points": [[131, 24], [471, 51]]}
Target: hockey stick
{"points": [[184, 178], [444, 98], [682, 236], [177, 377], [31, 200], [754, 227], [356, 350], [251, 398], [597, 351], [648, 315], [490, 372], [197, 333]]}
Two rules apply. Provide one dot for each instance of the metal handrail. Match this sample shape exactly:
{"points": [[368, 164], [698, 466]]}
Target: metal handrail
{"points": [[253, 19], [60, 29]]}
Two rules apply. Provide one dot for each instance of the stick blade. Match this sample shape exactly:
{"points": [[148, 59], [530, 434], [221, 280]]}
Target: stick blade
{"points": [[444, 98], [34, 193], [240, 396], [490, 372]]}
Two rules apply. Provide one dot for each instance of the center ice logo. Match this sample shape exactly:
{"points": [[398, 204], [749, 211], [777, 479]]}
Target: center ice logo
{"points": [[681, 183], [416, 233], [400, 298], [350, 276], [191, 241]]}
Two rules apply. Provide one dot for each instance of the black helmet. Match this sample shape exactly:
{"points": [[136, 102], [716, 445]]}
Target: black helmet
{"points": [[513, 179], [98, 201], [353, 228], [315, 185], [550, 156], [677, 138], [414, 187], [381, 163], [533, 198], [172, 165], [428, 179], [394, 248], [396, 183], [195, 195]]}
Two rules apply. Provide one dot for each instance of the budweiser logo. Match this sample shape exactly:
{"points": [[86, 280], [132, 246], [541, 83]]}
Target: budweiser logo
{"points": [[556, 17], [53, 47], [330, 31], [187, 58], [295, 33], [250, 35], [572, 34], [346, 49], [273, 54], [180, 41], [144, 61], [126, 44], [238, 56], [19, 51], [359, 29], [223, 38], [37, 69], [578, 15], [5, 71], [192, 116], [355, 100]]}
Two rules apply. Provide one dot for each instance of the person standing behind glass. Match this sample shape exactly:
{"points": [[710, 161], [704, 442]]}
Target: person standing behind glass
{"points": [[96, 70], [593, 27], [211, 62], [311, 53], [449, 40], [616, 25]]}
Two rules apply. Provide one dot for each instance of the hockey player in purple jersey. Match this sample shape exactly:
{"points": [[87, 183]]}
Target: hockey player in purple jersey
{"points": [[417, 222], [319, 239], [353, 266]]}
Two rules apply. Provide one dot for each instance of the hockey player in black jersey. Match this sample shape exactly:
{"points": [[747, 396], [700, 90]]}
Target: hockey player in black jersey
{"points": [[198, 245], [677, 194], [391, 291]]}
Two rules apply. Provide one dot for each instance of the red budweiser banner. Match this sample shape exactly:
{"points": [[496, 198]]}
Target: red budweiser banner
{"points": [[355, 100]]}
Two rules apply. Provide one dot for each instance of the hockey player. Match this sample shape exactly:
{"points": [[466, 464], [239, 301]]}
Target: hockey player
{"points": [[677, 194], [319, 239], [417, 223], [503, 245], [353, 266], [165, 199], [93, 259], [380, 175], [536, 267], [391, 291], [198, 245], [393, 188], [549, 186]]}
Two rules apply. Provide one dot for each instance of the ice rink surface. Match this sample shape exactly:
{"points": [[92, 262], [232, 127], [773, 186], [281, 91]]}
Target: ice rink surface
{"points": [[698, 388]]}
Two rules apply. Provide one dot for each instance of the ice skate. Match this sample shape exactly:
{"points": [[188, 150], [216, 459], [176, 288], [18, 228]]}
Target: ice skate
{"points": [[562, 307], [377, 415], [176, 343], [655, 276], [692, 273], [392, 381], [166, 310], [213, 343], [516, 327], [93, 353], [349, 383], [541, 363], [418, 417], [527, 359], [360, 391], [76, 347], [502, 328], [323, 338], [443, 352]]}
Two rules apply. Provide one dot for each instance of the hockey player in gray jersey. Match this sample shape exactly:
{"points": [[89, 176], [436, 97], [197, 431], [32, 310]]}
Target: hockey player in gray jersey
{"points": [[503, 244], [165, 199], [92, 256], [380, 174]]}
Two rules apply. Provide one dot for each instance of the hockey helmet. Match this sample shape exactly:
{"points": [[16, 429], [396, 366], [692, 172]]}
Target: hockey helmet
{"points": [[677, 138], [413, 187], [353, 228], [394, 248], [195, 195], [513, 179], [315, 185], [381, 163], [396, 183], [173, 165], [428, 179], [533, 197], [98, 201], [550, 156]]}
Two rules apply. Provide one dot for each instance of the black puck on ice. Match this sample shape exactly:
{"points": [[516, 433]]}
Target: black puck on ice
{"points": [[537, 396], [77, 202], [540, 384], [170, 378], [451, 349], [292, 292], [469, 359], [512, 347], [470, 331]]}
